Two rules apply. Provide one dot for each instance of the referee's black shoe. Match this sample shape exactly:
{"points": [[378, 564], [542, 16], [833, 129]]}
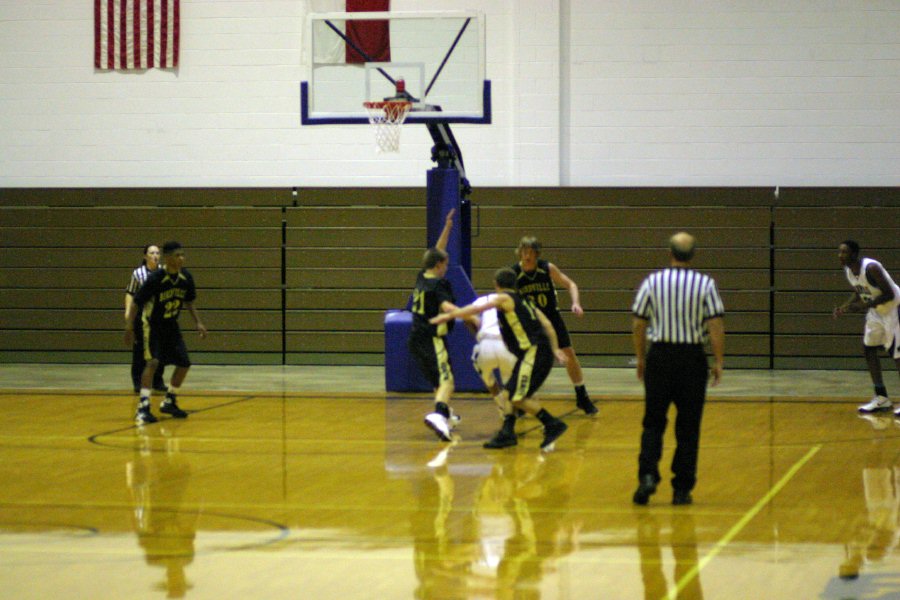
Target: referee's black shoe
{"points": [[646, 488], [681, 498]]}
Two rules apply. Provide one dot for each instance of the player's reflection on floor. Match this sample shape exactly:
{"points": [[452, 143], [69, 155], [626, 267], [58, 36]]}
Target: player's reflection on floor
{"points": [[495, 535], [158, 476], [875, 530]]}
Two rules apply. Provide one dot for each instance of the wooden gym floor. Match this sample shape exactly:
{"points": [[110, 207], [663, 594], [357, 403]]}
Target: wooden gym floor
{"points": [[312, 482]]}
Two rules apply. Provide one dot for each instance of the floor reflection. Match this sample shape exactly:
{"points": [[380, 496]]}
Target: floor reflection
{"points": [[683, 540], [875, 532], [158, 477], [493, 529]]}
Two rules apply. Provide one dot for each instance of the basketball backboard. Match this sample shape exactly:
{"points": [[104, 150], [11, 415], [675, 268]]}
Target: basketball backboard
{"points": [[357, 57]]}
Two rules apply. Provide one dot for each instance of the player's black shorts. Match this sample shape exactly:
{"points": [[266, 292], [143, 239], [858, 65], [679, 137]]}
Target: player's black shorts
{"points": [[530, 372], [433, 358], [559, 326], [166, 345]]}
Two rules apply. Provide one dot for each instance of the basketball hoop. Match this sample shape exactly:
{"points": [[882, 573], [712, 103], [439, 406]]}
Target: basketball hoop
{"points": [[387, 117]]}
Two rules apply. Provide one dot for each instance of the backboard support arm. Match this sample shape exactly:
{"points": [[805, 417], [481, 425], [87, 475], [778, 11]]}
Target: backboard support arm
{"points": [[446, 57]]}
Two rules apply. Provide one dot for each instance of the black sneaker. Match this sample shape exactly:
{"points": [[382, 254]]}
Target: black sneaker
{"points": [[170, 407], [161, 387], [586, 406], [552, 433], [681, 498], [501, 439], [646, 488], [143, 416]]}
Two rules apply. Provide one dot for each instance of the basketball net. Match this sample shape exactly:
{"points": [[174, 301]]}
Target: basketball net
{"points": [[387, 117]]}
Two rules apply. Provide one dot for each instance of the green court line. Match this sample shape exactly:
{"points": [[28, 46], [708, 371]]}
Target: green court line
{"points": [[736, 529]]}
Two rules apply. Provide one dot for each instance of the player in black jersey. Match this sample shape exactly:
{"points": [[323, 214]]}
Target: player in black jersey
{"points": [[161, 299], [529, 335], [427, 343], [535, 279]]}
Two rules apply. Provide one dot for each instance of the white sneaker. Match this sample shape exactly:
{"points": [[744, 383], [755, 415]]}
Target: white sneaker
{"points": [[439, 424], [877, 403]]}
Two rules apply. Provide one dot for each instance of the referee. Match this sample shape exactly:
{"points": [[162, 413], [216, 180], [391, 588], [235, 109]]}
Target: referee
{"points": [[149, 264], [677, 309]]}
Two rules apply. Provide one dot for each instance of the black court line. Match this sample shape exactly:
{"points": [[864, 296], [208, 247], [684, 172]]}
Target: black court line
{"points": [[263, 395], [204, 393], [282, 531], [93, 438], [78, 531], [885, 434]]}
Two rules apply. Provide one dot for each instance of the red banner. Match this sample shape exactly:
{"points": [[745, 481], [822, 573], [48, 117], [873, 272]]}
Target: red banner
{"points": [[372, 38]]}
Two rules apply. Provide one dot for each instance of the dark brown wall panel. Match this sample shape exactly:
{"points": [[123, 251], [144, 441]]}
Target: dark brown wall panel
{"points": [[312, 271]]}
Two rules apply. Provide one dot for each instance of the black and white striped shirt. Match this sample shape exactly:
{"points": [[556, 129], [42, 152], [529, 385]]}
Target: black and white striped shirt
{"points": [[138, 277], [678, 302]]}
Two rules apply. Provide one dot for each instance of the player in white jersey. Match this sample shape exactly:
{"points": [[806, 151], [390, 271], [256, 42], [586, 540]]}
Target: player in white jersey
{"points": [[490, 354], [876, 294]]}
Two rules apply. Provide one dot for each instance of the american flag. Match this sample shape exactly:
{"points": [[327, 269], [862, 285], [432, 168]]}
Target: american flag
{"points": [[136, 34]]}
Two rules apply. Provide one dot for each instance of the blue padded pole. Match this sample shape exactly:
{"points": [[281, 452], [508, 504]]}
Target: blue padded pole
{"points": [[400, 370], [444, 195]]}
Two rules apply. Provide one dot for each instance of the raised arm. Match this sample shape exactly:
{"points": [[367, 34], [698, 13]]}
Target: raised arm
{"points": [[562, 280], [445, 233]]}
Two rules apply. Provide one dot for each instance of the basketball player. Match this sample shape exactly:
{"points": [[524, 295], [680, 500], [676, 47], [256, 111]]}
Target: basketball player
{"points": [[491, 357], [876, 294], [161, 299], [535, 279], [149, 264], [427, 343], [530, 336]]}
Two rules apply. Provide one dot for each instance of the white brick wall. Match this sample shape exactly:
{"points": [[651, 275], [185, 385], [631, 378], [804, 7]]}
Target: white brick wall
{"points": [[655, 92], [735, 93]]}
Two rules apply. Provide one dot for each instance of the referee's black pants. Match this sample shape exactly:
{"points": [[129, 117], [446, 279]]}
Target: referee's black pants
{"points": [[674, 373]]}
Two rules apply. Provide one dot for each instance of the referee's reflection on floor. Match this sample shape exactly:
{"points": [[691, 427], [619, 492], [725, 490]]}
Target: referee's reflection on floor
{"points": [[683, 539]]}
